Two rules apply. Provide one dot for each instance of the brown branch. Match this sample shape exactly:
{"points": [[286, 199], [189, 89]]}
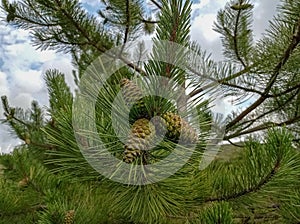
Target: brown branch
{"points": [[95, 45], [35, 22], [156, 4], [253, 189], [221, 81], [236, 145], [284, 92], [266, 113], [295, 41], [238, 74], [68, 42], [263, 127], [142, 19], [131, 65], [127, 27], [235, 38], [148, 21], [250, 90]]}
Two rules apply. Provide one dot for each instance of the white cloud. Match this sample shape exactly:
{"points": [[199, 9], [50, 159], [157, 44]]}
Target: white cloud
{"points": [[208, 6], [3, 84], [263, 13], [202, 26], [28, 81], [22, 100], [205, 13], [201, 4], [22, 55]]}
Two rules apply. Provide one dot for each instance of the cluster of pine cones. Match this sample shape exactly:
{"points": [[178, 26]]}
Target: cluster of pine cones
{"points": [[145, 130]]}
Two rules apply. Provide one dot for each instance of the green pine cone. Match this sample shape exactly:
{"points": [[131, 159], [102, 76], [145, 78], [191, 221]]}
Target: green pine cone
{"points": [[69, 217], [177, 128], [140, 138]]}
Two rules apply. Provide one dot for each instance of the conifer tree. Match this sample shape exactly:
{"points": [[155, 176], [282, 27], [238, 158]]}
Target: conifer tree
{"points": [[50, 179]]}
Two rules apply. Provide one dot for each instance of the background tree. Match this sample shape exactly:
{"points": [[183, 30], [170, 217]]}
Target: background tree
{"points": [[256, 185]]}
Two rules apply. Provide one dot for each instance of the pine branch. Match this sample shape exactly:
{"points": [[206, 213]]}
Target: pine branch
{"points": [[294, 43], [233, 24], [284, 92], [94, 44], [51, 39], [223, 81], [235, 38], [253, 189], [264, 127], [25, 211], [127, 26], [149, 21], [156, 4], [252, 121]]}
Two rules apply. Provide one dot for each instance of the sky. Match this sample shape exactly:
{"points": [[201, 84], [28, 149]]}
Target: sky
{"points": [[22, 67]]}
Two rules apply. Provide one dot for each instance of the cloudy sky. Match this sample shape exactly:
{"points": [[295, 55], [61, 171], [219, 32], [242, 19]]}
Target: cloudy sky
{"points": [[22, 67]]}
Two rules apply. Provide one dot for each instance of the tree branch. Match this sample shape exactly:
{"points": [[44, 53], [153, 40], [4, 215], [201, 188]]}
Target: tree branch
{"points": [[235, 40], [284, 92], [94, 44], [266, 113], [236, 145], [148, 21], [222, 81], [127, 27], [295, 41], [263, 127], [253, 189], [156, 4]]}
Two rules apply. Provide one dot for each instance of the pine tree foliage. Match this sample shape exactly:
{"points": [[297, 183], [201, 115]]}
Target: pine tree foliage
{"points": [[266, 76], [254, 70], [174, 24], [259, 185], [46, 197], [126, 16], [49, 180], [217, 213], [27, 125], [235, 27]]}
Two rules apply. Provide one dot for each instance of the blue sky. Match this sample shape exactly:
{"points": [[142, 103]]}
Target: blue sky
{"points": [[22, 67]]}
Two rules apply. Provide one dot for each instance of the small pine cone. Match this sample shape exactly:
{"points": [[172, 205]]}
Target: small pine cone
{"points": [[27, 138], [140, 138], [177, 128], [69, 217], [131, 92], [24, 182], [133, 97]]}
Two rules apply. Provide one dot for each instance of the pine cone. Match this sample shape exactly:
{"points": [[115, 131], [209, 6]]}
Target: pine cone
{"points": [[140, 138], [131, 92], [69, 217], [24, 182], [178, 127], [133, 97]]}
